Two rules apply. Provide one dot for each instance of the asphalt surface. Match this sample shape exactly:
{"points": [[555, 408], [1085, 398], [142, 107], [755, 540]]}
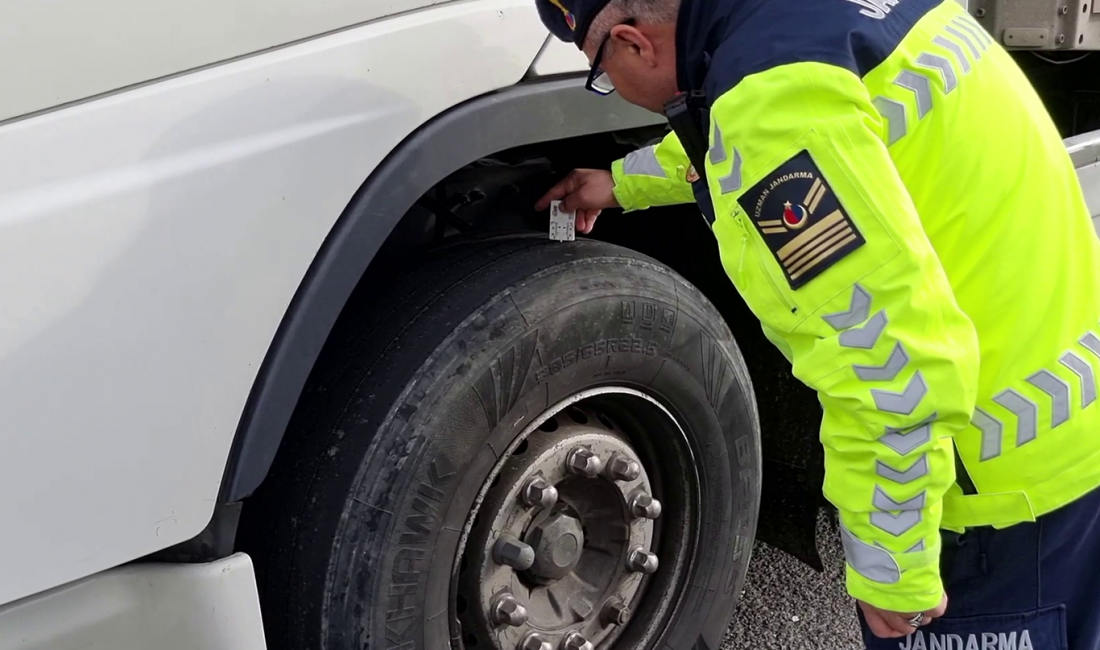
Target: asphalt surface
{"points": [[789, 606]]}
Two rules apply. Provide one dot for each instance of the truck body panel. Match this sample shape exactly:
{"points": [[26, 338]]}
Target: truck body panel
{"points": [[211, 606], [150, 242], [68, 50], [558, 57]]}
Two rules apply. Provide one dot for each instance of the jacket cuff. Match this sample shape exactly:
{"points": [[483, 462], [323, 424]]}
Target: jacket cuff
{"points": [[918, 590]]}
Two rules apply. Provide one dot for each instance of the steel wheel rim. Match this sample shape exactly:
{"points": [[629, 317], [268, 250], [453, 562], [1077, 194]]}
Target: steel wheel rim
{"points": [[533, 609]]}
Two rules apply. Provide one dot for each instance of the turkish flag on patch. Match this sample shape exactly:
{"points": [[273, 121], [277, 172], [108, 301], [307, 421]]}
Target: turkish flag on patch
{"points": [[793, 216]]}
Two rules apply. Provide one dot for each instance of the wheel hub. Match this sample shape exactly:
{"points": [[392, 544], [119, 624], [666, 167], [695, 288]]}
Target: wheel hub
{"points": [[562, 545], [557, 541]]}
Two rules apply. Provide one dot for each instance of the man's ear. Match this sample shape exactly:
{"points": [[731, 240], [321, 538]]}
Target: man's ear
{"points": [[631, 36]]}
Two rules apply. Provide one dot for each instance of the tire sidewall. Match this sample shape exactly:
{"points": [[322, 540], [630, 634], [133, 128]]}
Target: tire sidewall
{"points": [[576, 325]]}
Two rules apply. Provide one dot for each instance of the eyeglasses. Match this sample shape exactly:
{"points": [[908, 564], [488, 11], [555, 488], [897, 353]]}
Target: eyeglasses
{"points": [[598, 81]]}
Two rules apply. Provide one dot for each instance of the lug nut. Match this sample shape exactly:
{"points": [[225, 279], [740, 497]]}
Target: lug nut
{"points": [[535, 641], [583, 462], [615, 613], [574, 641], [622, 468], [643, 506], [539, 493], [642, 561], [508, 611], [509, 551]]}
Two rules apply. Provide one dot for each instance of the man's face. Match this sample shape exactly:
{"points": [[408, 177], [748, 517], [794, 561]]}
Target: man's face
{"points": [[642, 68]]}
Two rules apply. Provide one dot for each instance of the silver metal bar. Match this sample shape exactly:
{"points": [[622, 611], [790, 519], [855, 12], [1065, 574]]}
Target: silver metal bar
{"points": [[1084, 150]]}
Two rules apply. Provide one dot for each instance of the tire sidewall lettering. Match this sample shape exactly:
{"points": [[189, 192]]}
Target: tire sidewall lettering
{"points": [[394, 578]]}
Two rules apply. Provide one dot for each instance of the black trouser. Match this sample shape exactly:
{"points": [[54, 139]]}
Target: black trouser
{"points": [[1030, 586]]}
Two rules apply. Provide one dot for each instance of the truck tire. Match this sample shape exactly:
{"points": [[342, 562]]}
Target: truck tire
{"points": [[517, 444]]}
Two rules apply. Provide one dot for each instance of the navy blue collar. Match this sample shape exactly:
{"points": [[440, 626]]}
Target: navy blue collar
{"points": [[701, 27]]}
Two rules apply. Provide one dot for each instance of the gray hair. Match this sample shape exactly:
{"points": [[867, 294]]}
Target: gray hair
{"points": [[652, 12]]}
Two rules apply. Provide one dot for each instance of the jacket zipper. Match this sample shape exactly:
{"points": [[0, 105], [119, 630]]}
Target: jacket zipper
{"points": [[791, 307]]}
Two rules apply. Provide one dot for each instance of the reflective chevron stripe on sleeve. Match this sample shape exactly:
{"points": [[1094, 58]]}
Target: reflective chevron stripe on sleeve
{"points": [[861, 329]]}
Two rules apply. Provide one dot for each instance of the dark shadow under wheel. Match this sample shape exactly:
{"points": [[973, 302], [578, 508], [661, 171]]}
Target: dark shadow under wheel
{"points": [[517, 444]]}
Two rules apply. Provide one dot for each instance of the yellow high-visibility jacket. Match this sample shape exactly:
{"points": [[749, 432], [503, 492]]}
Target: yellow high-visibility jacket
{"points": [[894, 203]]}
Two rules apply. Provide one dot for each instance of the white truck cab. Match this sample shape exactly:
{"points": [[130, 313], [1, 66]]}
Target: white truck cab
{"points": [[285, 362]]}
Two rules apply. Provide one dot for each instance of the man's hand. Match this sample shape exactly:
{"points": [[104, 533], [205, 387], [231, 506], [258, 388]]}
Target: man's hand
{"points": [[584, 191], [892, 625]]}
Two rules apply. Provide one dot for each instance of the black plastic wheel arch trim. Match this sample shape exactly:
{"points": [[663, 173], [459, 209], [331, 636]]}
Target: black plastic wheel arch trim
{"points": [[524, 114]]}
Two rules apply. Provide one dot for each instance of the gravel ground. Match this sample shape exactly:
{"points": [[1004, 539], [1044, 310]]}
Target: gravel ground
{"points": [[789, 606]]}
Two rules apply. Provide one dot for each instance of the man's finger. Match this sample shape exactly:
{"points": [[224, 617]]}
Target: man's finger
{"points": [[570, 201], [553, 194], [879, 626], [939, 610], [557, 193], [589, 220], [586, 219], [899, 623]]}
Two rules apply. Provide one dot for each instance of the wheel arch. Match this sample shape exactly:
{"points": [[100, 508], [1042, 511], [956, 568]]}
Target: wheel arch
{"points": [[527, 113]]}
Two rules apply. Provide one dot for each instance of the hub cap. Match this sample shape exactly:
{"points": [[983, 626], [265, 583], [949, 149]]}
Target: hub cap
{"points": [[563, 543]]}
